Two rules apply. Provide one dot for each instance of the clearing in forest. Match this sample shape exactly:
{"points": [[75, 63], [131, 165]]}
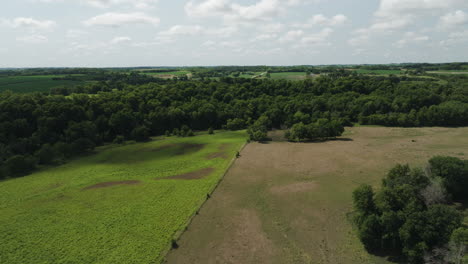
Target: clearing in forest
{"points": [[123, 204], [291, 202]]}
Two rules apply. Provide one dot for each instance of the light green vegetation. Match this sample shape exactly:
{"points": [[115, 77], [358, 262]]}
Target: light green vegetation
{"points": [[50, 216], [379, 72], [288, 75], [287, 202], [39, 83]]}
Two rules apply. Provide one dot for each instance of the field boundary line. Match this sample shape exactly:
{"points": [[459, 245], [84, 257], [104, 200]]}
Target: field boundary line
{"points": [[179, 233]]}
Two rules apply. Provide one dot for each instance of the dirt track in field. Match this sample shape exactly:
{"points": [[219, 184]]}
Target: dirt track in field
{"points": [[290, 202]]}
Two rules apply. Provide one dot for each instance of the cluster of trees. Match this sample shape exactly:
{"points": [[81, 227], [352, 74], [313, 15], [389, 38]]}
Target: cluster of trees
{"points": [[320, 130], [412, 213], [133, 106]]}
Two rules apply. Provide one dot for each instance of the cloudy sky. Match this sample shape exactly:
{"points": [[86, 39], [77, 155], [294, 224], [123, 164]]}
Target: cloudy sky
{"points": [[103, 33]]}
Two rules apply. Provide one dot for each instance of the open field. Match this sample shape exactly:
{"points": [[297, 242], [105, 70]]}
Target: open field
{"points": [[288, 75], [123, 204], [290, 202], [41, 83]]}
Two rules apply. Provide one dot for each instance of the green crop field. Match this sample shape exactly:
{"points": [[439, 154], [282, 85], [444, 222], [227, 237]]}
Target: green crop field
{"points": [[123, 204], [27, 84]]}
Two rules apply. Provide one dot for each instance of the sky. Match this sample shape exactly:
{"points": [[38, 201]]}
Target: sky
{"points": [[130, 33]]}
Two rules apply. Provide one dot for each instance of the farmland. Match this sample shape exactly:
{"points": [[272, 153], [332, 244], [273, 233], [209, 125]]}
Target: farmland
{"points": [[291, 202], [123, 204], [41, 83], [289, 75], [169, 74]]}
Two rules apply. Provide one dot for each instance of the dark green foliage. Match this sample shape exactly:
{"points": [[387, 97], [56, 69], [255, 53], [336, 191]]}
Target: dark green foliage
{"points": [[235, 124], [141, 134], [119, 139], [258, 131], [320, 130], [454, 173], [210, 131], [399, 218], [19, 165], [363, 198], [47, 154]]}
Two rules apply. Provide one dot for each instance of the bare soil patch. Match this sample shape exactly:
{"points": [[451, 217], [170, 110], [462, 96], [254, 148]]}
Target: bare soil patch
{"points": [[112, 183], [296, 187], [194, 175]]}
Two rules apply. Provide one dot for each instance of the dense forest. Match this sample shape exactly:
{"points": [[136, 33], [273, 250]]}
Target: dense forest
{"points": [[413, 212], [48, 128]]}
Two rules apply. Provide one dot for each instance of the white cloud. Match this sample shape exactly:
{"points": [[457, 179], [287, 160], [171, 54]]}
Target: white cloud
{"points": [[183, 30], [263, 10], [232, 12], [385, 26], [457, 18], [140, 4], [27, 22], [35, 39], [75, 33], [292, 35], [118, 40], [208, 43], [455, 38], [120, 19], [317, 38], [208, 8], [398, 8], [325, 21], [264, 37], [411, 38], [322, 20], [301, 39]]}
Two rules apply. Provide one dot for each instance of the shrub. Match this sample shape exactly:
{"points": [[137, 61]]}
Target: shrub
{"points": [[141, 134], [235, 124], [19, 165], [119, 139]]}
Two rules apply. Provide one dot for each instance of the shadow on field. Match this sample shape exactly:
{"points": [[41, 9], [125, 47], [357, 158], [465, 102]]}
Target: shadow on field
{"points": [[268, 141], [393, 256], [146, 153]]}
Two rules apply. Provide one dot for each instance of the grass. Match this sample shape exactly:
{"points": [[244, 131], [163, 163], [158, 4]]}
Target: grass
{"points": [[49, 216], [287, 202], [27, 84]]}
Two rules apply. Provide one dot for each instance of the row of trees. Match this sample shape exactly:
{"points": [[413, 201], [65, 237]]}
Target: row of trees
{"points": [[132, 107], [412, 213], [320, 130]]}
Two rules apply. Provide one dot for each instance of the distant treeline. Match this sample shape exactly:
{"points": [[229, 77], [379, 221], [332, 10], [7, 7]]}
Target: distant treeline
{"points": [[48, 129]]}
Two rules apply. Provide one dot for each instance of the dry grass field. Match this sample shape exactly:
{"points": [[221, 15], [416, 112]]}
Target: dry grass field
{"points": [[290, 202]]}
